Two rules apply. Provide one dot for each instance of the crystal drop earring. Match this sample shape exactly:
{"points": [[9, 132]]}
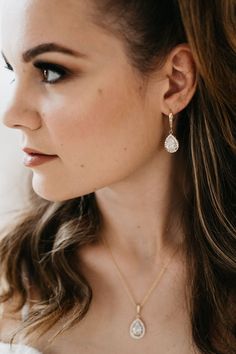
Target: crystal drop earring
{"points": [[171, 143]]}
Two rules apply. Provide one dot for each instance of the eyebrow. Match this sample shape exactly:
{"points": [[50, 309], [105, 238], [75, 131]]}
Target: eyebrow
{"points": [[31, 53]]}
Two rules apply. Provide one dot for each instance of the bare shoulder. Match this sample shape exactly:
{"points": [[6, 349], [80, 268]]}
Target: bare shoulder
{"points": [[9, 320]]}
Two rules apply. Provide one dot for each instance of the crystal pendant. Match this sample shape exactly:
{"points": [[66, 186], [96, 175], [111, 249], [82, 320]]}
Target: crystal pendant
{"points": [[137, 329], [171, 144]]}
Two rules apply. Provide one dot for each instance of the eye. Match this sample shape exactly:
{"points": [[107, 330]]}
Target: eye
{"points": [[52, 73]]}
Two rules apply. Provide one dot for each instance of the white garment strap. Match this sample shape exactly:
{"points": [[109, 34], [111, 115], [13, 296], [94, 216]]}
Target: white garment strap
{"points": [[25, 311], [1, 310]]}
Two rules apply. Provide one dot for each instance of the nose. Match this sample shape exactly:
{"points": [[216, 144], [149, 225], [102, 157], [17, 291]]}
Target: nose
{"points": [[18, 109]]}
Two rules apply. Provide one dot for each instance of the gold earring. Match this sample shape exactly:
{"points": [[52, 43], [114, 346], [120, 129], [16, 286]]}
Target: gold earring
{"points": [[171, 143]]}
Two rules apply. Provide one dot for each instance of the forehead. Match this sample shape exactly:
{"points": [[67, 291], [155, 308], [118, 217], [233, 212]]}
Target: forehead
{"points": [[26, 23]]}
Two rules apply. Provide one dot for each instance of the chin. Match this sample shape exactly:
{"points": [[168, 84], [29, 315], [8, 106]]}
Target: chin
{"points": [[54, 192], [49, 192], [51, 197]]}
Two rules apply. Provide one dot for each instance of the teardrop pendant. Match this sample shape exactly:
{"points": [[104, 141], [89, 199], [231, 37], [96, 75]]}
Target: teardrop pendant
{"points": [[137, 328], [171, 144]]}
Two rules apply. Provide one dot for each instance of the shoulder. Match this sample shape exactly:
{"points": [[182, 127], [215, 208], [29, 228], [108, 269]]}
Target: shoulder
{"points": [[10, 319]]}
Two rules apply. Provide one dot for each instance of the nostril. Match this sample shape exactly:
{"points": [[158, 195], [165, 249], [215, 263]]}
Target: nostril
{"points": [[21, 121]]}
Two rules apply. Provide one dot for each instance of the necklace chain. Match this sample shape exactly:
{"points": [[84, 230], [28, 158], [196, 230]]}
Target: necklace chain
{"points": [[154, 284]]}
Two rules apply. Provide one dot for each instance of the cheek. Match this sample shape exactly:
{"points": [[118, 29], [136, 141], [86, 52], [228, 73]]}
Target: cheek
{"points": [[95, 124], [100, 138]]}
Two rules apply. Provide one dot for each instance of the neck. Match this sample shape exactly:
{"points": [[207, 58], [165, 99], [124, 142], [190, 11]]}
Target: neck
{"points": [[141, 215]]}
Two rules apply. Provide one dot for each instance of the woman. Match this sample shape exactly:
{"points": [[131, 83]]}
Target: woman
{"points": [[129, 245]]}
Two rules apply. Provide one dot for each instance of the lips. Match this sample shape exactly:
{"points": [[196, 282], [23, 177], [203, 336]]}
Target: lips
{"points": [[33, 157], [33, 152], [33, 160]]}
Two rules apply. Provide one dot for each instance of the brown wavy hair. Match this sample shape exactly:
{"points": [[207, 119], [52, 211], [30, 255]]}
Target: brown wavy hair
{"points": [[41, 247]]}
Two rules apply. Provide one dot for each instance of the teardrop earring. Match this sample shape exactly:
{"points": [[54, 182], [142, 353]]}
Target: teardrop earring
{"points": [[171, 143]]}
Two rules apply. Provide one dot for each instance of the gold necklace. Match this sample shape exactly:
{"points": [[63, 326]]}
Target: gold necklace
{"points": [[137, 328]]}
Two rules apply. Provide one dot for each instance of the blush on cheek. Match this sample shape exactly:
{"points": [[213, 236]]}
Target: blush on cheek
{"points": [[96, 121]]}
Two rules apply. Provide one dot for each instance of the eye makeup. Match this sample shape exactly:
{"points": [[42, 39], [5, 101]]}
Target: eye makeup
{"points": [[55, 71], [46, 67]]}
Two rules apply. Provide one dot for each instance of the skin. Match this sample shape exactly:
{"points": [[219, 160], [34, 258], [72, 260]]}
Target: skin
{"points": [[107, 127]]}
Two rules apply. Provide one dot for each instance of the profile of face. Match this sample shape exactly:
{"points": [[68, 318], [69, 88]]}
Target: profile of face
{"points": [[84, 103]]}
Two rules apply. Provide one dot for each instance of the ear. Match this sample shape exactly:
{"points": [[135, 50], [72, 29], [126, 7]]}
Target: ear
{"points": [[180, 70]]}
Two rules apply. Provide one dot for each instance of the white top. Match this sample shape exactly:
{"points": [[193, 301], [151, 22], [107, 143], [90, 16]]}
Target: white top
{"points": [[6, 348]]}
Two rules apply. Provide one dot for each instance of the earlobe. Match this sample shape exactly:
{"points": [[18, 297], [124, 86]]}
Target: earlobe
{"points": [[181, 75]]}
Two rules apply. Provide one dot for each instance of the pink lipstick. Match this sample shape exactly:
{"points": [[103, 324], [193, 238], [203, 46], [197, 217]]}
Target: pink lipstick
{"points": [[31, 160], [33, 157]]}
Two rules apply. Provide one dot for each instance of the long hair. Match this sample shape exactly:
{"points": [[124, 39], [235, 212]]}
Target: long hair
{"points": [[41, 247]]}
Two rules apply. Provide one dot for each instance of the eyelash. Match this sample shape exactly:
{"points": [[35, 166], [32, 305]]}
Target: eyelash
{"points": [[44, 67]]}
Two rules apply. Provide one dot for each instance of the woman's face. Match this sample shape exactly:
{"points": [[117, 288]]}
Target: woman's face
{"points": [[89, 109]]}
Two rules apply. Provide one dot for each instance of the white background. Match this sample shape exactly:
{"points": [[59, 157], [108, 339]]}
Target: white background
{"points": [[13, 173]]}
